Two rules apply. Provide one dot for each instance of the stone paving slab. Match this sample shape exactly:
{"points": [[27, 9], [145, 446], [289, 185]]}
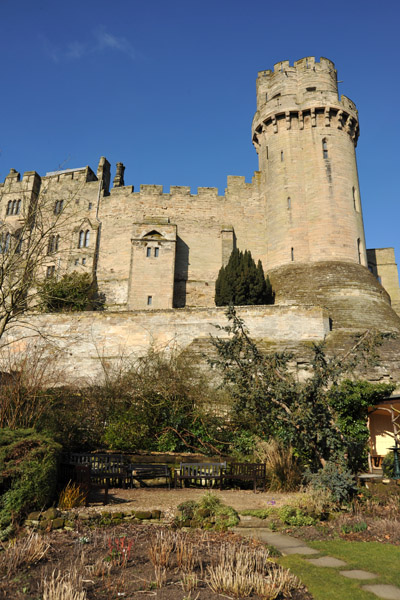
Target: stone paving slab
{"points": [[299, 550], [384, 591], [358, 574], [284, 543], [326, 561]]}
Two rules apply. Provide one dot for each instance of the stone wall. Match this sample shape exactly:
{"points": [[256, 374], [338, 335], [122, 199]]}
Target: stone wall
{"points": [[83, 342]]}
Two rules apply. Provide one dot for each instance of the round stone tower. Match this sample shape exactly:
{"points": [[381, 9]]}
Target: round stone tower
{"points": [[305, 137]]}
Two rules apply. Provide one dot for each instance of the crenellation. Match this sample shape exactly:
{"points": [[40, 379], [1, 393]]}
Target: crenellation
{"points": [[151, 189], [180, 190], [122, 190]]}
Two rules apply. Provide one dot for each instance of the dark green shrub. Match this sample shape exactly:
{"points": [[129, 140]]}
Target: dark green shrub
{"points": [[208, 513], [241, 282], [28, 471], [290, 515], [335, 477], [73, 292], [388, 465]]}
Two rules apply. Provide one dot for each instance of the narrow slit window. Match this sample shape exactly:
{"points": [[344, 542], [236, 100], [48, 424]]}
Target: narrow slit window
{"points": [[84, 261], [281, 155], [266, 152], [356, 203], [149, 300], [156, 252], [13, 207], [289, 203], [359, 250], [266, 97], [292, 253], [148, 252], [18, 247], [18, 207], [9, 207], [81, 239], [324, 148], [58, 207], [90, 205], [87, 238]]}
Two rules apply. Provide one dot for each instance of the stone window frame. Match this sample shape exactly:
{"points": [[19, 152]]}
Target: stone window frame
{"points": [[50, 271], [58, 207], [5, 242], [13, 207], [53, 244]]}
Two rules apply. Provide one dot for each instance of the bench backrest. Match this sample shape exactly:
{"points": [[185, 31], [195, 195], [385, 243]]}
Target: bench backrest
{"points": [[149, 469], [247, 469], [98, 463], [202, 469]]}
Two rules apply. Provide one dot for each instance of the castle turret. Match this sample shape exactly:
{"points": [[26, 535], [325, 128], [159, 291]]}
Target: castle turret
{"points": [[305, 137]]}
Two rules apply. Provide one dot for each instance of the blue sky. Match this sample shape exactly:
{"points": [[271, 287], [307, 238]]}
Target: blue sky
{"points": [[168, 87]]}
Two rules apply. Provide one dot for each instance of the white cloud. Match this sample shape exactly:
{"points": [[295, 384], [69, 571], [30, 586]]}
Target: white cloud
{"points": [[107, 40], [75, 50], [99, 42]]}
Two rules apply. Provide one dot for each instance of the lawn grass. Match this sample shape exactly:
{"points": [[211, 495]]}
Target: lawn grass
{"points": [[325, 583], [382, 559]]}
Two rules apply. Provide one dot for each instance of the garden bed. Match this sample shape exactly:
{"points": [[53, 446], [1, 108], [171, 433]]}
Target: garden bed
{"points": [[126, 561]]}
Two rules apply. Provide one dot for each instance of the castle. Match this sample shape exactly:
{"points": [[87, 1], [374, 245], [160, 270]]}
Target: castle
{"points": [[301, 214], [153, 252]]}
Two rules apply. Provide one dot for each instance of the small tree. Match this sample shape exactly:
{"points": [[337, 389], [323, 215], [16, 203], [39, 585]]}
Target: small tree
{"points": [[73, 292], [324, 417], [242, 282]]}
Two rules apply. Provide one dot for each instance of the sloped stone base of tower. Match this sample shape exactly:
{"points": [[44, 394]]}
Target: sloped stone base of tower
{"points": [[352, 296]]}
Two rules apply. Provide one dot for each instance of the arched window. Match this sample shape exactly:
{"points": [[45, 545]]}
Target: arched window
{"points": [[324, 148], [18, 207], [13, 207], [81, 239], [9, 207], [87, 237]]}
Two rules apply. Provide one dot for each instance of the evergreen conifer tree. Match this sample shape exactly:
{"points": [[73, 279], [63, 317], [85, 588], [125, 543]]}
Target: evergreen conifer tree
{"points": [[242, 282]]}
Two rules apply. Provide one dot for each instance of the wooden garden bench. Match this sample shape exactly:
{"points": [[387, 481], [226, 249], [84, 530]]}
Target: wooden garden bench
{"points": [[141, 472], [255, 472], [105, 470], [200, 473]]}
